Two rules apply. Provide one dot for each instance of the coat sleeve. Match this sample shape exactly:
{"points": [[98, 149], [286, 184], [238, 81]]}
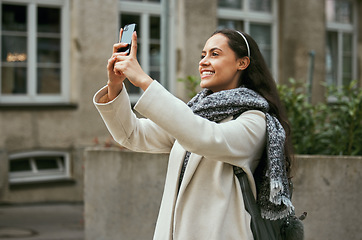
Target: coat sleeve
{"points": [[237, 140], [137, 134]]}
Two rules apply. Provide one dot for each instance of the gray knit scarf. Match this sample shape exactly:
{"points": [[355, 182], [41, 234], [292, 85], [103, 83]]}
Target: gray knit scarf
{"points": [[272, 185]]}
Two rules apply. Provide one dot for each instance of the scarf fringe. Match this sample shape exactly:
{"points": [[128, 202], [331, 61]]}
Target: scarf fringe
{"points": [[276, 187], [271, 215]]}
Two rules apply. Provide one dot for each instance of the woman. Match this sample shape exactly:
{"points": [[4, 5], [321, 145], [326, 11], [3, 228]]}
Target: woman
{"points": [[202, 197]]}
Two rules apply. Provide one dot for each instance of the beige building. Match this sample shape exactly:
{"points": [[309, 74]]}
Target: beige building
{"points": [[54, 55]]}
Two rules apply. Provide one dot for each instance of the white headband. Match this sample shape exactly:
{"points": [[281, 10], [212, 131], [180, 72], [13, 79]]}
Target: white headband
{"points": [[246, 41]]}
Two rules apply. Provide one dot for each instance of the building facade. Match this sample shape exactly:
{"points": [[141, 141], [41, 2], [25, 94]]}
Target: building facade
{"points": [[54, 55]]}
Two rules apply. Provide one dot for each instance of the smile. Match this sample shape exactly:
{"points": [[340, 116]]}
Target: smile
{"points": [[207, 73]]}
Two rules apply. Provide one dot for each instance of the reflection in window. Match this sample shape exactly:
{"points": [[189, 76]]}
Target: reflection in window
{"points": [[231, 24], [332, 58], [262, 35], [339, 11], [260, 5], [347, 59]]}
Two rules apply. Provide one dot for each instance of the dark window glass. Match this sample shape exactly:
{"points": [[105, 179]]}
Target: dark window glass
{"points": [[46, 163], [49, 20], [20, 165], [14, 18]]}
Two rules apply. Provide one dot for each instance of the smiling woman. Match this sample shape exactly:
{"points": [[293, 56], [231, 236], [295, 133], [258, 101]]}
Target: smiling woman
{"points": [[202, 196], [220, 68]]}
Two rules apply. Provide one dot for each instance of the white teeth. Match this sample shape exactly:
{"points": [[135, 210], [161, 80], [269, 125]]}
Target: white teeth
{"points": [[207, 73]]}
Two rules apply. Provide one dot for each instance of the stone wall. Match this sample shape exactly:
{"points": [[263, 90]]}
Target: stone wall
{"points": [[123, 192]]}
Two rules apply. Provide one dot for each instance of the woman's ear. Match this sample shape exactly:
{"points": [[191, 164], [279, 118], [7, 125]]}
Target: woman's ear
{"points": [[243, 63]]}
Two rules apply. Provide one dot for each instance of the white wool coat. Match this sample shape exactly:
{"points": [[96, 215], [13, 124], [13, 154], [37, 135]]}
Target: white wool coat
{"points": [[209, 204]]}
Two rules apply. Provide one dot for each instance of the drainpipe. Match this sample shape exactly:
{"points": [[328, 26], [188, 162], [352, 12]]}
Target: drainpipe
{"points": [[310, 74]]}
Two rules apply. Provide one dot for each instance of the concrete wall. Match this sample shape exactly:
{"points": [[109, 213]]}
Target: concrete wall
{"points": [[123, 192], [329, 189]]}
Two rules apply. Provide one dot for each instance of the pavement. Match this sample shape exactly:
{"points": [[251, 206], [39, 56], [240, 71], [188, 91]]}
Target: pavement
{"points": [[60, 221]]}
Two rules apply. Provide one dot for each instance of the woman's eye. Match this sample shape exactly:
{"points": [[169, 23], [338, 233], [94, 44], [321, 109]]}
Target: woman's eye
{"points": [[202, 56], [215, 54]]}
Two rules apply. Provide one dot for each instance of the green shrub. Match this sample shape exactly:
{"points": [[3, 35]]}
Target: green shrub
{"points": [[333, 128]]}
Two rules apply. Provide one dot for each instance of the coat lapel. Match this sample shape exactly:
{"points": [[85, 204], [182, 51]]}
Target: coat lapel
{"points": [[192, 165]]}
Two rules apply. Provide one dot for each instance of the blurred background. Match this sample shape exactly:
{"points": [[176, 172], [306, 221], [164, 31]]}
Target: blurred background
{"points": [[54, 55]]}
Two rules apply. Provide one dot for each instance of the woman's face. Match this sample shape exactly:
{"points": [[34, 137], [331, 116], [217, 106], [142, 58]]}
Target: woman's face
{"points": [[219, 68]]}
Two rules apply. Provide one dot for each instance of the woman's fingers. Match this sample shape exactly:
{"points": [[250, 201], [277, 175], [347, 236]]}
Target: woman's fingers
{"points": [[134, 45], [120, 34], [118, 46]]}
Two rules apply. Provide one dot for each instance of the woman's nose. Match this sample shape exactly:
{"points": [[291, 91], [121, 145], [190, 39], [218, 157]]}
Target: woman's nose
{"points": [[204, 61]]}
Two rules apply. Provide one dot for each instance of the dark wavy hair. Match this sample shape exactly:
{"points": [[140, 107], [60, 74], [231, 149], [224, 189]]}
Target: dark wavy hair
{"points": [[258, 78]]}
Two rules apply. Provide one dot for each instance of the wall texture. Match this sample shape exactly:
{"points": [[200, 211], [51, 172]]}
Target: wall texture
{"points": [[123, 192]]}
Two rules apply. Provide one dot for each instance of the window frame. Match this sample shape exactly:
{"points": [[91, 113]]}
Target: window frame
{"points": [[31, 97], [249, 17], [35, 175], [340, 29]]}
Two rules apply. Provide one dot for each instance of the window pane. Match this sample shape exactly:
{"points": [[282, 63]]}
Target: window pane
{"points": [[14, 49], [230, 3], [231, 24], [48, 20], [48, 50], [155, 75], [155, 54], [339, 11], [13, 80], [20, 165], [47, 163], [260, 5], [347, 58], [155, 28], [262, 36], [48, 81], [14, 18], [332, 58]]}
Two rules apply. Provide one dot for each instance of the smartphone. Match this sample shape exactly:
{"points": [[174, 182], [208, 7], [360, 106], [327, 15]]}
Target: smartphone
{"points": [[127, 37]]}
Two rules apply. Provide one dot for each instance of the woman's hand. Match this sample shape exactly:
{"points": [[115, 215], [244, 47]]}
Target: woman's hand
{"points": [[128, 66], [115, 79]]}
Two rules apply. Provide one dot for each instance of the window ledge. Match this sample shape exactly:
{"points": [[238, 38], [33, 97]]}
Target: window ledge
{"points": [[35, 106]]}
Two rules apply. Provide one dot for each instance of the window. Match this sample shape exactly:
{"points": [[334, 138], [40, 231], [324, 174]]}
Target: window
{"points": [[38, 166], [153, 27], [34, 51], [255, 17], [341, 44]]}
